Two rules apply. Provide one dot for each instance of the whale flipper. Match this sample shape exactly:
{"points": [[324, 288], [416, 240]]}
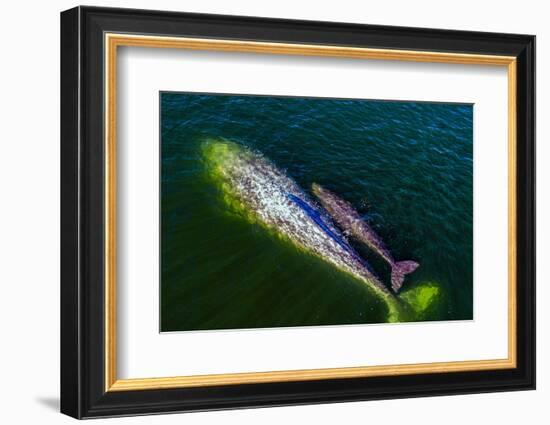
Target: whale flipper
{"points": [[398, 272]]}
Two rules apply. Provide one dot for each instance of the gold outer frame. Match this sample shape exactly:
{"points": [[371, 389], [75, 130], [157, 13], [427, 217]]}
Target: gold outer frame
{"points": [[113, 41]]}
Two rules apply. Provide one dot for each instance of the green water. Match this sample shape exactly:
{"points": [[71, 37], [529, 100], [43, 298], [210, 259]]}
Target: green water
{"points": [[405, 166]]}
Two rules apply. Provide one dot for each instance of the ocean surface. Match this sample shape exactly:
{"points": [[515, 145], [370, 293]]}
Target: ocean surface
{"points": [[407, 167]]}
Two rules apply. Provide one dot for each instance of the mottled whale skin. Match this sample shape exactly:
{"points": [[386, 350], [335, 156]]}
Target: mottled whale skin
{"points": [[349, 220], [273, 199]]}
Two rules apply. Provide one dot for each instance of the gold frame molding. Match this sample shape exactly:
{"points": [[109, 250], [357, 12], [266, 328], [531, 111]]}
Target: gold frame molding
{"points": [[113, 41]]}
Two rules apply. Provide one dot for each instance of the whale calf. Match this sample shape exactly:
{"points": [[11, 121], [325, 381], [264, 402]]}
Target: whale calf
{"points": [[254, 184], [349, 220]]}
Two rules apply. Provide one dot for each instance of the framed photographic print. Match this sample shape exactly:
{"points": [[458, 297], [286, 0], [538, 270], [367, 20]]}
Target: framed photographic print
{"points": [[261, 212]]}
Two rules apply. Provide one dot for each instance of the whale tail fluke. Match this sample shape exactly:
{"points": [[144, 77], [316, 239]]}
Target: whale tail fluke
{"points": [[398, 272]]}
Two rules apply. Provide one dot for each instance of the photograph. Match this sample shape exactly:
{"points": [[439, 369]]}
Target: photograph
{"points": [[260, 211], [279, 211]]}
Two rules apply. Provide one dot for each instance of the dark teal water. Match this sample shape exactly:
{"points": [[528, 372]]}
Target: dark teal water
{"points": [[406, 167]]}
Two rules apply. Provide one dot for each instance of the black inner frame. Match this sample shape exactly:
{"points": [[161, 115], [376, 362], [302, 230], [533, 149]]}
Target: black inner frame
{"points": [[82, 206]]}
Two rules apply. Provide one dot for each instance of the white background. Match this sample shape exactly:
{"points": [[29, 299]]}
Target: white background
{"points": [[145, 72], [29, 229]]}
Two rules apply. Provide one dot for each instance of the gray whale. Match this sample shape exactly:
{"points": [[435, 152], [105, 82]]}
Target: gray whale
{"points": [[251, 183], [351, 223]]}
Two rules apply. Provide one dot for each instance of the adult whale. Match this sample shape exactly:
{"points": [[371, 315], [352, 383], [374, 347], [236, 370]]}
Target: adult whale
{"points": [[254, 185], [351, 222]]}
